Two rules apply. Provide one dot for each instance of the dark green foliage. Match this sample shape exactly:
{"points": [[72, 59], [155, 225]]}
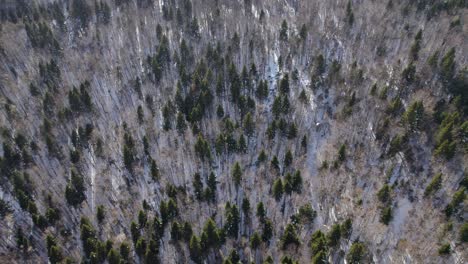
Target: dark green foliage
{"points": [[88, 236], [152, 252], [303, 98], [246, 206], [74, 191], [53, 250], [103, 12], [220, 111], [464, 232], [349, 14], [210, 192], [307, 214], [303, 32], [249, 125], [284, 84], [168, 112], [261, 212], [140, 246], [356, 253], [457, 198], [333, 237], [416, 46], [134, 231], [198, 186], [384, 194], [383, 93], [255, 240], [242, 144], [278, 189], [280, 106], [168, 211], [267, 231], [113, 257], [342, 153], [176, 232], [386, 215], [237, 174], [262, 157], [100, 214], [289, 237], [80, 100], [142, 218], [275, 163], [262, 90], [288, 158], [396, 145], [128, 152], [445, 139], [211, 236], [154, 170], [195, 249], [140, 114], [414, 115], [447, 66], [81, 11], [5, 209], [409, 73], [202, 148], [373, 89], [22, 241], [283, 34], [444, 249], [231, 225], [346, 228], [395, 106], [41, 36], [434, 185]]}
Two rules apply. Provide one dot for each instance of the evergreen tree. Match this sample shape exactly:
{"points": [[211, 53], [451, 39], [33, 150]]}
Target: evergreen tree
{"points": [[249, 125], [284, 84], [198, 186], [288, 158], [289, 237], [237, 174], [246, 206], [261, 212], [283, 35], [74, 191], [181, 125], [267, 232], [334, 235], [100, 214], [231, 226], [356, 253], [278, 189], [255, 240]]}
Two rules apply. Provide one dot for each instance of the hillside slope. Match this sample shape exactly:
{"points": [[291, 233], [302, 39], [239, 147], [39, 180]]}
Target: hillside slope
{"points": [[204, 131]]}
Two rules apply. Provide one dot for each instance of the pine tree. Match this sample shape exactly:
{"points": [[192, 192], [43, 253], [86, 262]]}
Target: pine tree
{"points": [[283, 35], [261, 212], [246, 206], [349, 14], [278, 189], [181, 125], [284, 84], [267, 231], [255, 240], [289, 237], [232, 221], [288, 158], [249, 125], [237, 174], [198, 186]]}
